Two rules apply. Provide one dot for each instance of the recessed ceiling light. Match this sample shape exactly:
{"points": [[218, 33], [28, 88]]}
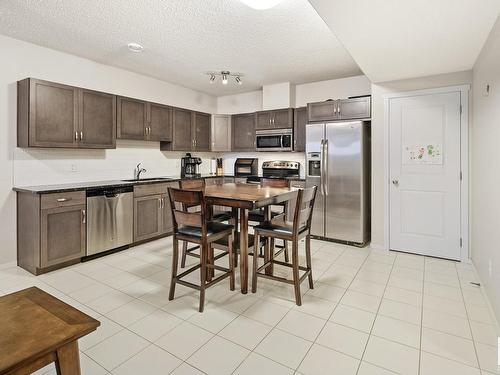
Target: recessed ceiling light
{"points": [[261, 4], [135, 47]]}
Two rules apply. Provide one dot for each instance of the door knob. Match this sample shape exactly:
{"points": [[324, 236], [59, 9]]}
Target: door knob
{"points": [[395, 182]]}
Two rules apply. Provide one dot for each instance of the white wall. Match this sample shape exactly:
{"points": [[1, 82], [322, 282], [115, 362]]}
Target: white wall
{"points": [[486, 167], [240, 103], [378, 143], [29, 166]]}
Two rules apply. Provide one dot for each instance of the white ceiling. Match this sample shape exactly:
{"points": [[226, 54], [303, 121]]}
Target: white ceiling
{"points": [[185, 38], [397, 39]]}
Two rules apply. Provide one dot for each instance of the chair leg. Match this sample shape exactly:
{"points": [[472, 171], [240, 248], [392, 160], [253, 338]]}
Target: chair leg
{"points": [[296, 276], [184, 252], [175, 265], [255, 261], [203, 273], [308, 261], [285, 244], [231, 261], [267, 253], [210, 260], [271, 255]]}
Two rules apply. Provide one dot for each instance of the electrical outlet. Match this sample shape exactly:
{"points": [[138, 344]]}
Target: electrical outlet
{"points": [[490, 268], [74, 168]]}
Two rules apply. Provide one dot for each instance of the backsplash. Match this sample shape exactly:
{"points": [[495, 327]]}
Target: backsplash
{"points": [[54, 166], [50, 166]]}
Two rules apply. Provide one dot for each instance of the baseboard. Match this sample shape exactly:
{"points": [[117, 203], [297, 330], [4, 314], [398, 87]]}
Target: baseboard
{"points": [[4, 266], [496, 319], [378, 247]]}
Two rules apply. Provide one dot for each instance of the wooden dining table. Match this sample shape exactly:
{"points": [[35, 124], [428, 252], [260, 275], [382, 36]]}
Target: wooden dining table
{"points": [[242, 198]]}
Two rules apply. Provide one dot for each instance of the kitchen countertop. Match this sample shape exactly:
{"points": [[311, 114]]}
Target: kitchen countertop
{"points": [[74, 186]]}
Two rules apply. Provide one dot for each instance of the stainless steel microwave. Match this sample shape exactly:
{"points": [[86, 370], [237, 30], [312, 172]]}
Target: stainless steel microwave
{"points": [[274, 140]]}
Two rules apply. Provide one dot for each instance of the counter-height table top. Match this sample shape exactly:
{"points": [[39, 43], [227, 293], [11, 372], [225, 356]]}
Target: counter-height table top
{"points": [[246, 197]]}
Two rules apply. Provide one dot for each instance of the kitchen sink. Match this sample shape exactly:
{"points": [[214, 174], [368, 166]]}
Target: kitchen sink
{"points": [[148, 179]]}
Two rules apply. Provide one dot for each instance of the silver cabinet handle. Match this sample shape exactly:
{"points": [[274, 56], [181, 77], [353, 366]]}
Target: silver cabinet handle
{"points": [[76, 136], [334, 108], [338, 107], [159, 203], [60, 200], [81, 135], [84, 216], [395, 182]]}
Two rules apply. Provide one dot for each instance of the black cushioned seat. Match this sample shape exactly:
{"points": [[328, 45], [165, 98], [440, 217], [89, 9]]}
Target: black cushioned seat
{"points": [[212, 228], [222, 216], [274, 227], [258, 215]]}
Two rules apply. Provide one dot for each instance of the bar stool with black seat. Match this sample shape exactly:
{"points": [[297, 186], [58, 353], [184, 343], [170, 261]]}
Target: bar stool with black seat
{"points": [[293, 232], [259, 214], [195, 227], [221, 216]]}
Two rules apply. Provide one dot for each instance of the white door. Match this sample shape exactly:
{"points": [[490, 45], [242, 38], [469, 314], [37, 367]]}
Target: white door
{"points": [[424, 133]]}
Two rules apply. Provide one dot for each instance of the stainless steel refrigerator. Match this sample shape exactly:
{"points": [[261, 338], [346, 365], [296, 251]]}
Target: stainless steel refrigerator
{"points": [[338, 162]]}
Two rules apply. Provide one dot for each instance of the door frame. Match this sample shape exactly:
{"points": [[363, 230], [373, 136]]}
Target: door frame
{"points": [[464, 91]]}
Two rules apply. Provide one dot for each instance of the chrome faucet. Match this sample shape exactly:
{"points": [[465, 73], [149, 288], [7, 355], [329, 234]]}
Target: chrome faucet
{"points": [[138, 170]]}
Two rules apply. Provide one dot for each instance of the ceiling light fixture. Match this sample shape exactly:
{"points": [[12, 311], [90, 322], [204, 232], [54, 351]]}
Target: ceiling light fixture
{"points": [[261, 4], [225, 74], [135, 47]]}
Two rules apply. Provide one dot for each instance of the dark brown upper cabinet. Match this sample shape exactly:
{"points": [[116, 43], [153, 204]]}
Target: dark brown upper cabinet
{"points": [[201, 131], [299, 129], [159, 122], [131, 118], [355, 108], [54, 115], [96, 119], [341, 109], [243, 132], [276, 119], [182, 124]]}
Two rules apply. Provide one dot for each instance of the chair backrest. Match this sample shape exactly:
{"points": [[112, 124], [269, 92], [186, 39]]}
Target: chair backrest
{"points": [[275, 182], [179, 199], [304, 209], [192, 184]]}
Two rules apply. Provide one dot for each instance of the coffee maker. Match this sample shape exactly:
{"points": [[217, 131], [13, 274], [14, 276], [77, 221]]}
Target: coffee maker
{"points": [[189, 166]]}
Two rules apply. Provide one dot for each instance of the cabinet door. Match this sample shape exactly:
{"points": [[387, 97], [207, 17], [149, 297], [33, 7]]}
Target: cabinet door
{"points": [[53, 114], [167, 222], [147, 217], [355, 108], [96, 119], [263, 120], [243, 132], [159, 122], [299, 129], [201, 131], [221, 133], [182, 130], [282, 118], [62, 234], [322, 111], [131, 118]]}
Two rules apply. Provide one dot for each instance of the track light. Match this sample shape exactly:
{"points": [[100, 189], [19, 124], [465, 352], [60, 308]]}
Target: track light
{"points": [[224, 74]]}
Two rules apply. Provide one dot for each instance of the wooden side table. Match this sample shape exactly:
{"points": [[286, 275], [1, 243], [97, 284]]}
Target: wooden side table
{"points": [[38, 329]]}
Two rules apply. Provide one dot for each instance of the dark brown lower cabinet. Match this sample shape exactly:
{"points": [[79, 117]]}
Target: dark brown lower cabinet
{"points": [[152, 213], [51, 230], [147, 217], [62, 235]]}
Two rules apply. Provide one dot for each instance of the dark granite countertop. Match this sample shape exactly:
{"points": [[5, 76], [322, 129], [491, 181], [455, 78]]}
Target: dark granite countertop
{"points": [[74, 186]]}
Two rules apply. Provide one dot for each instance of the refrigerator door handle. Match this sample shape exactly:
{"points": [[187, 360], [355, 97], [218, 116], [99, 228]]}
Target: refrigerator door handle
{"points": [[321, 185], [325, 166]]}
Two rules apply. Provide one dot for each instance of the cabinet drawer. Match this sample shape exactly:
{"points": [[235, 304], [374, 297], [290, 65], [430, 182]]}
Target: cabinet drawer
{"points": [[71, 198], [153, 189]]}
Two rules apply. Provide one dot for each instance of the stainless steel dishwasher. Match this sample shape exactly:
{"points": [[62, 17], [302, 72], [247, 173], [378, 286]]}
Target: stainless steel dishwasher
{"points": [[110, 218]]}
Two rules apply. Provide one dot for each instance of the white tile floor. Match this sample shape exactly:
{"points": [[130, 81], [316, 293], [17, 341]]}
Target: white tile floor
{"points": [[370, 313]]}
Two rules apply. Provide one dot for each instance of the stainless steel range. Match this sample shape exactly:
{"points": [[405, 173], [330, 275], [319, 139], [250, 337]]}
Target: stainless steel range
{"points": [[280, 169]]}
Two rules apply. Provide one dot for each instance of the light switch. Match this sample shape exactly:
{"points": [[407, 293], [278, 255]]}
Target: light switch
{"points": [[74, 168]]}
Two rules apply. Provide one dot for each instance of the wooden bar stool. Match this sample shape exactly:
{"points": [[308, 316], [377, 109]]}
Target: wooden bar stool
{"points": [[299, 228], [259, 215], [213, 215], [196, 228]]}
